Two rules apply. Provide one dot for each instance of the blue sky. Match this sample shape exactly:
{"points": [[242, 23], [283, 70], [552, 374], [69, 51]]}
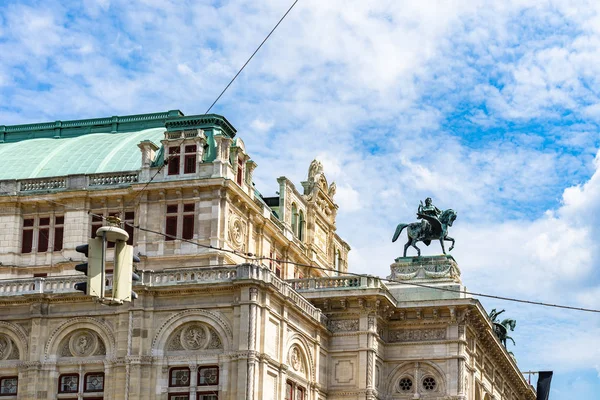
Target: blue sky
{"points": [[491, 108]]}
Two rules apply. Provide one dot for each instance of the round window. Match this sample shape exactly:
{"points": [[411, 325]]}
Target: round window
{"points": [[429, 383], [405, 384]]}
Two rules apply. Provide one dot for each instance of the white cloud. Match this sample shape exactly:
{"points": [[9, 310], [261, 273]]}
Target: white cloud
{"points": [[261, 125], [488, 107]]}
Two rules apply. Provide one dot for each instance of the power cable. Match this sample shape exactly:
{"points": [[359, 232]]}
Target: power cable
{"points": [[538, 303], [166, 160], [250, 256]]}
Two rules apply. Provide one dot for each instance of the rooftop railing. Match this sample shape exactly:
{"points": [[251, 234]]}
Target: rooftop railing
{"points": [[336, 283], [172, 277]]}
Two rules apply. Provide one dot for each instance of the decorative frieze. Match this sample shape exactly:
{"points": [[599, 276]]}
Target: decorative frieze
{"points": [[416, 335], [344, 325]]}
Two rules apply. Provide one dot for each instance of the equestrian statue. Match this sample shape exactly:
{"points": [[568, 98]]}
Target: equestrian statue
{"points": [[501, 328], [433, 226]]}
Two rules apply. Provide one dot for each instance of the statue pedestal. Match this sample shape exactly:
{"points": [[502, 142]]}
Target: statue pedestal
{"points": [[435, 273]]}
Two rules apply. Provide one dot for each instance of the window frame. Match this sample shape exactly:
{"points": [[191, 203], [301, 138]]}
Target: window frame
{"points": [[16, 393], [240, 171], [188, 217], [173, 369], [200, 368], [190, 153], [198, 394], [60, 387], [174, 160], [85, 383], [291, 390], [34, 234], [58, 227]]}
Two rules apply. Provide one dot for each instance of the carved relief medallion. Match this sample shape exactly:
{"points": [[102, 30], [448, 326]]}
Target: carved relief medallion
{"points": [[83, 343], [295, 360], [194, 337], [236, 232]]}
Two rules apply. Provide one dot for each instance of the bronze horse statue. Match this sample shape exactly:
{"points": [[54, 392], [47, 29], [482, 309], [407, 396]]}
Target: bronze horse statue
{"points": [[434, 229]]}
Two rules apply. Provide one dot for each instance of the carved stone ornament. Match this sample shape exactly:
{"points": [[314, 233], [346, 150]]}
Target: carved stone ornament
{"points": [[6, 347], [83, 343], [236, 232], [416, 335], [295, 359], [344, 325], [193, 337]]}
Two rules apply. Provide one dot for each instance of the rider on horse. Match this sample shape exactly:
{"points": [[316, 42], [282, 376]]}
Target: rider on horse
{"points": [[427, 210]]}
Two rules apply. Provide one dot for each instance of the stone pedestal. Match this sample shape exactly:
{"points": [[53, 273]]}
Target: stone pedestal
{"points": [[418, 278]]}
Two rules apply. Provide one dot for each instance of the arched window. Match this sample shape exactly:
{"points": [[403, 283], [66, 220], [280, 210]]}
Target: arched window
{"points": [[337, 259], [301, 225], [295, 219]]}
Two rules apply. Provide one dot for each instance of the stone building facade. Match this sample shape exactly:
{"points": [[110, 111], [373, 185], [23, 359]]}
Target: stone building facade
{"points": [[241, 296]]}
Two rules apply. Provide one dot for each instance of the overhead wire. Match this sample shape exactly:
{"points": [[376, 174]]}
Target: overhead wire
{"points": [[167, 157], [505, 298], [254, 258]]}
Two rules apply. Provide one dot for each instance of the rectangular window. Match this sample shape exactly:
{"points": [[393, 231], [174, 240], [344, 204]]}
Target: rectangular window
{"points": [[96, 224], [299, 393], [9, 385], [179, 396], [208, 376], [188, 221], [190, 160], [179, 377], [171, 222], [128, 225], [208, 396], [94, 382], [59, 231], [43, 235], [240, 171], [27, 243], [68, 383], [289, 391], [173, 162]]}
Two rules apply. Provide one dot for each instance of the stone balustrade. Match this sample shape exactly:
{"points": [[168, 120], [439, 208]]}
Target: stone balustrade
{"points": [[337, 282], [172, 277], [113, 179], [31, 185], [55, 284], [69, 182]]}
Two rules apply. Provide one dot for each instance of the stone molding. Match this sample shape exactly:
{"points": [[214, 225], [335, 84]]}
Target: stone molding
{"points": [[214, 319], [17, 335], [66, 328]]}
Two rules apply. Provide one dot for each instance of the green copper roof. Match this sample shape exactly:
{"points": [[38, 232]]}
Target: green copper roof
{"points": [[87, 154], [92, 146]]}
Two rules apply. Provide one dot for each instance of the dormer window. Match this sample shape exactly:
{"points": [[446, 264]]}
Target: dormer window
{"points": [[190, 159], [240, 171], [174, 160]]}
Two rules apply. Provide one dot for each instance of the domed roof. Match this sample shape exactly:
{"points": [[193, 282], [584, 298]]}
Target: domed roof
{"points": [[86, 154]]}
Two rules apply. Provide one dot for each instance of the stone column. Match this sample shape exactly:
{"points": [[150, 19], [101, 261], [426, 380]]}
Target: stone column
{"points": [[252, 359]]}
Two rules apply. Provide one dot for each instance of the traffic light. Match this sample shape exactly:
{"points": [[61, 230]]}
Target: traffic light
{"points": [[94, 268], [123, 275]]}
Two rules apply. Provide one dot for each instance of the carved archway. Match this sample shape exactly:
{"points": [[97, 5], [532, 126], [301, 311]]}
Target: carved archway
{"points": [[300, 344], [211, 319], [407, 370], [12, 340], [60, 334]]}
